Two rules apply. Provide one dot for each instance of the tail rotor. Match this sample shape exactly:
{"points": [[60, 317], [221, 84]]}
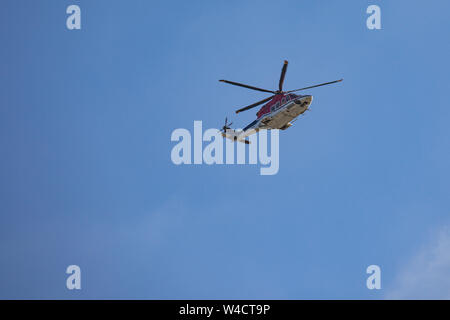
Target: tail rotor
{"points": [[226, 126]]}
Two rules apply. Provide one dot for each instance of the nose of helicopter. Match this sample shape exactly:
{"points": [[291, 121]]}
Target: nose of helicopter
{"points": [[304, 99], [308, 98]]}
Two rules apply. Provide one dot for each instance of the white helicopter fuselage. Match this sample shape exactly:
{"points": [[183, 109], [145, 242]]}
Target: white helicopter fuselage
{"points": [[280, 117]]}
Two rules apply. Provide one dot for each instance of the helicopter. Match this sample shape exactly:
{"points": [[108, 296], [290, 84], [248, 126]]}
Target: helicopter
{"points": [[280, 111]]}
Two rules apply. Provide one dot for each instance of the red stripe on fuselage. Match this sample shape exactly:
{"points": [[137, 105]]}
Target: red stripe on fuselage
{"points": [[277, 101]]}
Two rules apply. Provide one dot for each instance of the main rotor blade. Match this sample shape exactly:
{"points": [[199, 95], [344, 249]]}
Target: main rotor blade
{"points": [[254, 104], [246, 86], [283, 73], [317, 85]]}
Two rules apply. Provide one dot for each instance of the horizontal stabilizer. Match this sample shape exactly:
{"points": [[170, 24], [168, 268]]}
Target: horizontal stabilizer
{"points": [[244, 141]]}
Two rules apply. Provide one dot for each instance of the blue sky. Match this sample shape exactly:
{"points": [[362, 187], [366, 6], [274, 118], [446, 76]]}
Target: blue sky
{"points": [[86, 176]]}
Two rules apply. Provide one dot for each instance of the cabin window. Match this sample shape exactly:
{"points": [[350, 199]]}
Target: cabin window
{"points": [[283, 101]]}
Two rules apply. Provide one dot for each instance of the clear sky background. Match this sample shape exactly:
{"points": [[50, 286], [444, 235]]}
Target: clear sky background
{"points": [[86, 176]]}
